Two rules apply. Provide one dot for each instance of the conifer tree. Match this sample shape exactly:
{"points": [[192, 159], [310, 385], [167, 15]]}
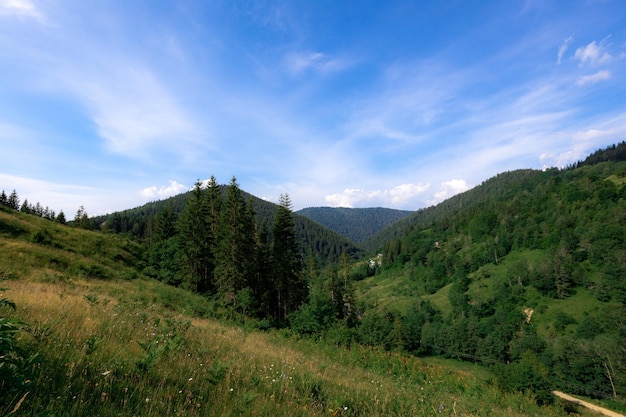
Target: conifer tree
{"points": [[4, 200], [194, 239], [61, 218], [236, 250], [25, 207], [164, 250], [81, 219], [289, 284], [214, 202], [14, 201]]}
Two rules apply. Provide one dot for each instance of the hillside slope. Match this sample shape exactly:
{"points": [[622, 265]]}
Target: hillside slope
{"points": [[527, 268], [356, 224], [109, 342]]}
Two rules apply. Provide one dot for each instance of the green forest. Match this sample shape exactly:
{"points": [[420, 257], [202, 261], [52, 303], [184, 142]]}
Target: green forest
{"points": [[523, 275], [356, 224]]}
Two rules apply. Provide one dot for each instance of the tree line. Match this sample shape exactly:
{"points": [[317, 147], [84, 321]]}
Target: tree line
{"points": [[215, 246], [12, 201]]}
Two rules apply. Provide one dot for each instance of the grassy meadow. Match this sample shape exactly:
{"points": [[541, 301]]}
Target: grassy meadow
{"points": [[105, 341]]}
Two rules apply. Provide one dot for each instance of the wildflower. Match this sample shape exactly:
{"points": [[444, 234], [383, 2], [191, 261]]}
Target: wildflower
{"points": [[190, 379], [105, 373], [147, 400]]}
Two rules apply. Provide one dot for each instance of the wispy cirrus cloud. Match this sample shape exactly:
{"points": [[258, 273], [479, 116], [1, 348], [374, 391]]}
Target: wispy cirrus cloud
{"points": [[563, 49], [601, 75], [301, 62], [57, 196], [132, 110], [593, 54], [135, 105], [21, 9]]}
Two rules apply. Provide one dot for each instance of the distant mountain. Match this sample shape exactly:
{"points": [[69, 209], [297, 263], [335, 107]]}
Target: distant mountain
{"points": [[326, 244], [356, 224]]}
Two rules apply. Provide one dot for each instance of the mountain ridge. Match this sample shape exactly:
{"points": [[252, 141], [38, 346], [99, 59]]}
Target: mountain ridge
{"points": [[356, 224], [323, 242]]}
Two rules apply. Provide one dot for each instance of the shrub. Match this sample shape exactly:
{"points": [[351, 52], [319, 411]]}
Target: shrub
{"points": [[13, 360], [41, 236]]}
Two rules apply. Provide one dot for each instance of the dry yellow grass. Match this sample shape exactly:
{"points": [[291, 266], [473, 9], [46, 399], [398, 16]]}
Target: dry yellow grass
{"points": [[112, 347]]}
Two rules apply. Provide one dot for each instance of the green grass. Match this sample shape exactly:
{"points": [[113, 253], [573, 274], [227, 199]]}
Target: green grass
{"points": [[440, 299], [108, 345], [105, 354]]}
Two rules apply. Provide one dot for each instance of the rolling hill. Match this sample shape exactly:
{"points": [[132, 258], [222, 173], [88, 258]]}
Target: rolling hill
{"points": [[527, 268], [325, 244], [522, 275], [91, 335], [355, 224]]}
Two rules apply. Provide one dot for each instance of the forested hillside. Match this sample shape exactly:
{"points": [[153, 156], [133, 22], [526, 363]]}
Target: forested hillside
{"points": [[323, 243], [84, 333], [528, 269], [524, 274], [356, 224]]}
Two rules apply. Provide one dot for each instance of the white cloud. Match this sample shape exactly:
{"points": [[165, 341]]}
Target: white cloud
{"points": [[56, 196], [448, 189], [593, 54], [398, 196], [298, 63], [563, 48], [601, 75], [20, 8], [164, 191], [133, 111]]}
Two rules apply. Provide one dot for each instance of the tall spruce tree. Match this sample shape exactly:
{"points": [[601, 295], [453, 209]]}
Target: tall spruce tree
{"points": [[214, 202], [81, 219], [14, 201], [61, 217], [25, 207], [194, 240], [235, 258], [164, 248], [289, 285]]}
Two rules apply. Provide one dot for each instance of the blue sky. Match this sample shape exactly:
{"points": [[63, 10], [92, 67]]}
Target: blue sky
{"points": [[111, 104]]}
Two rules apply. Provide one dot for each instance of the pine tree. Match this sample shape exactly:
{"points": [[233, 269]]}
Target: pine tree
{"points": [[25, 207], [61, 218], [236, 250], [81, 219], [165, 223], [290, 286], [14, 201], [4, 200], [164, 249], [194, 239], [214, 202]]}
